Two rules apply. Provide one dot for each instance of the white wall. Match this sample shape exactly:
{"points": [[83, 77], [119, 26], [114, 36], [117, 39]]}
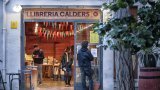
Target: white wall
{"points": [[60, 2], [108, 82], [1, 36], [108, 66], [13, 35], [13, 43]]}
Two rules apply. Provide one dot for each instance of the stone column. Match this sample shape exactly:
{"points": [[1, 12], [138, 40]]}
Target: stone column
{"points": [[108, 81], [1, 36]]}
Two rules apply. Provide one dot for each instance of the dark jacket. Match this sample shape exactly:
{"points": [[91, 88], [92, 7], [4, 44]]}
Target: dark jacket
{"points": [[65, 64], [40, 55], [84, 58]]}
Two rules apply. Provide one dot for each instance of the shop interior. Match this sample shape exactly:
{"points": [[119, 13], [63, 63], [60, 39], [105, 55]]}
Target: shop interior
{"points": [[53, 38]]}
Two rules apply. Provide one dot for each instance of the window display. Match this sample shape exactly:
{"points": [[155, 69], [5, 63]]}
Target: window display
{"points": [[83, 33]]}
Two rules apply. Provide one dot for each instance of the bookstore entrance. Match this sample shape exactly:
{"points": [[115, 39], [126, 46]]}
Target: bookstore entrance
{"points": [[57, 31]]}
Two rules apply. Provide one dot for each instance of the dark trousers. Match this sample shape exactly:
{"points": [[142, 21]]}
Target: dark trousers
{"points": [[67, 77], [83, 79]]}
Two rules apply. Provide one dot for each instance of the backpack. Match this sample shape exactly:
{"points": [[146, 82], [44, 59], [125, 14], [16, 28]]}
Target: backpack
{"points": [[85, 61]]}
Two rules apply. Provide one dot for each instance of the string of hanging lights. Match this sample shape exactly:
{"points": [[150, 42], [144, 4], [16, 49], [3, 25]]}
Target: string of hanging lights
{"points": [[82, 27]]}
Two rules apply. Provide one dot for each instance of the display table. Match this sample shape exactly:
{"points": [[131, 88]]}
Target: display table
{"points": [[47, 70], [34, 76], [56, 71]]}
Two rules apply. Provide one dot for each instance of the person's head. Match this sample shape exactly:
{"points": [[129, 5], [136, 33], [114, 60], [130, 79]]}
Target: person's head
{"points": [[71, 49], [67, 49], [36, 47], [84, 44]]}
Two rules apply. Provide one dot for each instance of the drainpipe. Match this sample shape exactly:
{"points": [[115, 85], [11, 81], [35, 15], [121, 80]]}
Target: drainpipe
{"points": [[4, 30]]}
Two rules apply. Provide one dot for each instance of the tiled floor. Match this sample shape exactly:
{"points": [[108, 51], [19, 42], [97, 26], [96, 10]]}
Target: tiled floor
{"points": [[49, 84], [56, 88]]}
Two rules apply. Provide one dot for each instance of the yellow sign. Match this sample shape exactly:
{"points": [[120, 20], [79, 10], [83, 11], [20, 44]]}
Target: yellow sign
{"points": [[14, 24], [94, 37], [57, 13]]}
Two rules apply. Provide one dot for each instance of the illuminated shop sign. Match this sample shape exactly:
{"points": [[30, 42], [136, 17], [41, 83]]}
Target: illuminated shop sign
{"points": [[93, 14]]}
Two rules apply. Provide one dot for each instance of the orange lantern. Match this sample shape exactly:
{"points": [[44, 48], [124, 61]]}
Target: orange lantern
{"points": [[53, 35], [61, 34], [66, 33], [40, 31], [66, 25], [44, 35], [57, 35], [72, 32], [71, 27]]}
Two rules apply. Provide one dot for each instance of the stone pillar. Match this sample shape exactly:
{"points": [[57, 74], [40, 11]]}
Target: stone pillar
{"points": [[108, 81], [1, 36]]}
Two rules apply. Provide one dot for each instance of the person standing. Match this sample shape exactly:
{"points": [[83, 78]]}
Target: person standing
{"points": [[67, 61], [38, 57], [84, 58]]}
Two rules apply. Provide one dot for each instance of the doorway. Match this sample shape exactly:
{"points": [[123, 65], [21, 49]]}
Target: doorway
{"points": [[53, 38], [54, 29]]}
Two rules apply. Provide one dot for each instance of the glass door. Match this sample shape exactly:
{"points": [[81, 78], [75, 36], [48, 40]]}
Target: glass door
{"points": [[84, 32]]}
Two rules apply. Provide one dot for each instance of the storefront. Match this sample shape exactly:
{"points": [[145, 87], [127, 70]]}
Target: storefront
{"points": [[79, 14], [55, 29]]}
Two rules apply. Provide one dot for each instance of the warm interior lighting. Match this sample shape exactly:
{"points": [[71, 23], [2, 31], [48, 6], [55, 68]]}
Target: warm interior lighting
{"points": [[36, 28], [36, 24], [89, 26]]}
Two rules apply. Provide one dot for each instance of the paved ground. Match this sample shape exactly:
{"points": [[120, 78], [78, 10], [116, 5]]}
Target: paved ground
{"points": [[49, 84], [56, 88]]}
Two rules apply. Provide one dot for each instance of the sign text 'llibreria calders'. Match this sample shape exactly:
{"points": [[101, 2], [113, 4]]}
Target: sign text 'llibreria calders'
{"points": [[59, 13]]}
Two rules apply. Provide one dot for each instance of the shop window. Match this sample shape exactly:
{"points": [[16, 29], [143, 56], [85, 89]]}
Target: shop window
{"points": [[84, 32]]}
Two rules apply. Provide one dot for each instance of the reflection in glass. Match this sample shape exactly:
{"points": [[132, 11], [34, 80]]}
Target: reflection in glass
{"points": [[83, 33]]}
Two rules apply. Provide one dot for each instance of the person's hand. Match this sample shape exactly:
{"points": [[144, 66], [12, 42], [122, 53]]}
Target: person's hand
{"points": [[36, 56], [64, 69]]}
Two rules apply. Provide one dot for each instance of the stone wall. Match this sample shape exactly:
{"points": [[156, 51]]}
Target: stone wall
{"points": [[108, 82]]}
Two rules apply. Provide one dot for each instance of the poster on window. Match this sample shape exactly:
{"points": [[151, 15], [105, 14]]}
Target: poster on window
{"points": [[94, 52], [78, 48], [94, 38]]}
